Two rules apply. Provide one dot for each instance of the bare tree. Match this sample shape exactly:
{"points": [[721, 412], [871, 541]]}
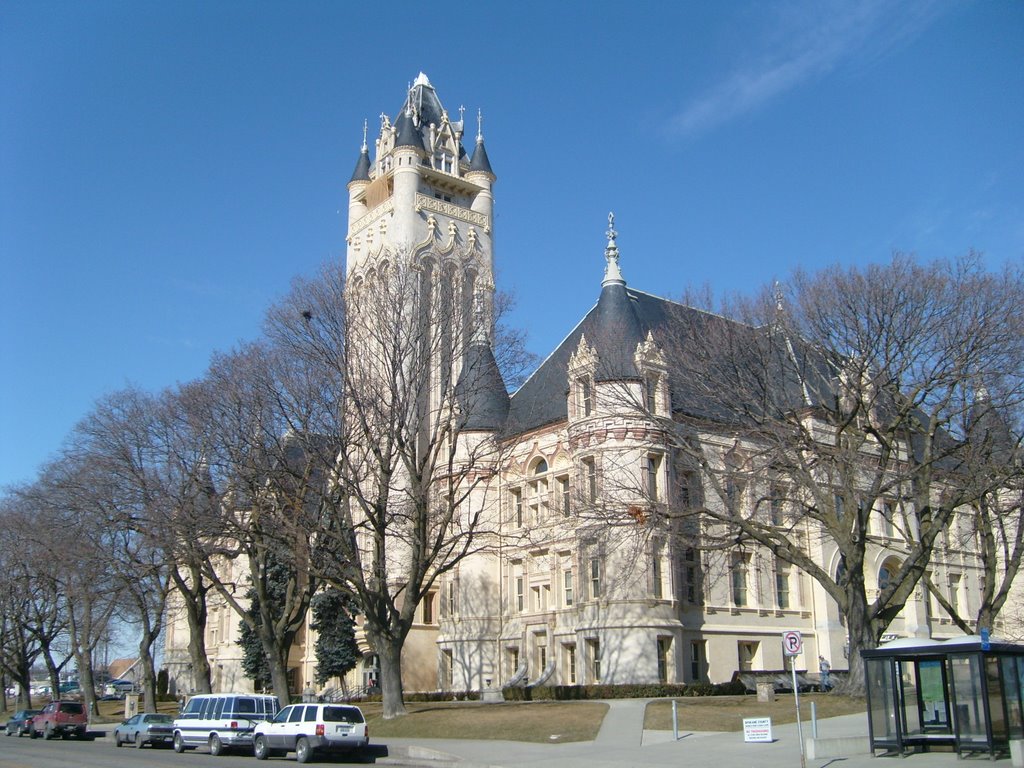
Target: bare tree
{"points": [[264, 411], [415, 366], [805, 416]]}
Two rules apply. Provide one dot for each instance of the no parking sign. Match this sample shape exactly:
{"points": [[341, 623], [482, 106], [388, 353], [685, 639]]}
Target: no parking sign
{"points": [[792, 643]]}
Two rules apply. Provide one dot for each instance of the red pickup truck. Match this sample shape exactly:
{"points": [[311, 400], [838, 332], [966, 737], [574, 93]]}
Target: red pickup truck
{"points": [[61, 718]]}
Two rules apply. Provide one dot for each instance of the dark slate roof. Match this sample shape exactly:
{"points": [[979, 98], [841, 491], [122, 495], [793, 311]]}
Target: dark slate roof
{"points": [[362, 171], [616, 332], [408, 136], [622, 318], [427, 106], [480, 162], [480, 391]]}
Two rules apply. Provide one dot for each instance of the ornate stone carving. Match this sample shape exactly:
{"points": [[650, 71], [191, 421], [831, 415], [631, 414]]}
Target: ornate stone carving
{"points": [[424, 203], [384, 208]]}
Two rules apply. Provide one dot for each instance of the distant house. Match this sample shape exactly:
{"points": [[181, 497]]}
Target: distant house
{"points": [[126, 669]]}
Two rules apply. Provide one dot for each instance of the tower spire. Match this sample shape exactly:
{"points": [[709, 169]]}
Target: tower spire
{"points": [[611, 255], [479, 125], [364, 148]]}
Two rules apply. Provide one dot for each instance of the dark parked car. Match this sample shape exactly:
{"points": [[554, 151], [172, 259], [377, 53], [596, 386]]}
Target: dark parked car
{"points": [[155, 730], [60, 718], [21, 722]]}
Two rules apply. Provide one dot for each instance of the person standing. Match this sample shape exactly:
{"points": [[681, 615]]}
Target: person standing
{"points": [[826, 673]]}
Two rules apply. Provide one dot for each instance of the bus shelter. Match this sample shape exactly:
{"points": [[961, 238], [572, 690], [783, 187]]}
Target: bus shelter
{"points": [[964, 693]]}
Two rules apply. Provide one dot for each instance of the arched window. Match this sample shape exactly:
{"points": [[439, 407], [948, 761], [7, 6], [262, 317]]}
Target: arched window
{"points": [[540, 467], [841, 574]]}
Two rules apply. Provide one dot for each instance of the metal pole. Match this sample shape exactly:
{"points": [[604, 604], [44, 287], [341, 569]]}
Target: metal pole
{"points": [[675, 720], [814, 720], [799, 725]]}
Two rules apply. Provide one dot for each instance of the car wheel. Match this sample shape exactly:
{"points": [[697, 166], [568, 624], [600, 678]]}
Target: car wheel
{"points": [[8, 730], [179, 743], [138, 741], [216, 745], [303, 752], [32, 733], [117, 739], [260, 749]]}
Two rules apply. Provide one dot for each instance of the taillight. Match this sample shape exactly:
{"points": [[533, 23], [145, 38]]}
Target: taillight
{"points": [[367, 732], [234, 724], [319, 729]]}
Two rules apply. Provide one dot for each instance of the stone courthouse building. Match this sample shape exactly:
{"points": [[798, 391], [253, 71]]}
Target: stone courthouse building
{"points": [[568, 592]]}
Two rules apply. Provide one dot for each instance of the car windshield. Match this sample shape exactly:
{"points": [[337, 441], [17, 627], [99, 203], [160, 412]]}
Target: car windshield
{"points": [[342, 715]]}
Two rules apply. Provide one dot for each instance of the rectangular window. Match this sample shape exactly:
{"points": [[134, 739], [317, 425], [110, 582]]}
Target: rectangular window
{"points": [[570, 664], [520, 597], [594, 652], [747, 654], [567, 587], [782, 585], [512, 654], [954, 591], [696, 654], [451, 590], [886, 527], [590, 479], [428, 608], [586, 397], [517, 507], [651, 393], [656, 585], [690, 575], [446, 670], [652, 476], [739, 580], [734, 489], [595, 578], [775, 506], [565, 497], [664, 649]]}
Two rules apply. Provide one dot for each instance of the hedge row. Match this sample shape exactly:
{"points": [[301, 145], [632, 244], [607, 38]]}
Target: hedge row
{"points": [[639, 691]]}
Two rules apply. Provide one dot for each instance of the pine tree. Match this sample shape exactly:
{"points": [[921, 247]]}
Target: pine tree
{"points": [[336, 650]]}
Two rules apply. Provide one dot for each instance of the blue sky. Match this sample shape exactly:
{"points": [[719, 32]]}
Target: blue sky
{"points": [[167, 168]]}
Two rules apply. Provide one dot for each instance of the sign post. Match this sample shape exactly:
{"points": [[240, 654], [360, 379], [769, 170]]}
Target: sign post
{"points": [[792, 646]]}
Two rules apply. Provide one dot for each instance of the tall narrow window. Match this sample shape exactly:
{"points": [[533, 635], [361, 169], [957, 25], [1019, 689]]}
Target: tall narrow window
{"points": [[520, 597], [570, 664], [954, 592], [595, 578], [690, 575], [451, 591], [782, 585], [517, 507], [651, 393], [664, 651], [887, 517], [590, 478], [775, 506], [747, 652], [652, 479], [446, 670], [565, 497], [696, 654], [428, 608], [594, 648], [656, 586], [567, 588], [739, 580], [586, 395]]}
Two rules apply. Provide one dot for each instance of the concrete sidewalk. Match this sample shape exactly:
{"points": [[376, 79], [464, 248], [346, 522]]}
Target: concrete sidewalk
{"points": [[622, 741]]}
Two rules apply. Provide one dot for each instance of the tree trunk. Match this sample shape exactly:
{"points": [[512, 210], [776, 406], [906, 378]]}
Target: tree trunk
{"points": [[148, 671], [389, 651], [52, 670], [862, 636], [276, 650], [194, 601]]}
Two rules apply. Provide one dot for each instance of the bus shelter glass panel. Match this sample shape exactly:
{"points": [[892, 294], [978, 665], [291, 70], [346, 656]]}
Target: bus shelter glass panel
{"points": [[995, 701], [967, 693], [880, 700], [908, 696], [931, 686], [1012, 669]]}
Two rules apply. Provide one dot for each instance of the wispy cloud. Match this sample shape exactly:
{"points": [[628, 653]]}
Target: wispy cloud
{"points": [[807, 41]]}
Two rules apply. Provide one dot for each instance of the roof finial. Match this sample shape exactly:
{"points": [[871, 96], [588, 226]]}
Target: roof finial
{"points": [[611, 255], [780, 306], [364, 149], [462, 112], [479, 125]]}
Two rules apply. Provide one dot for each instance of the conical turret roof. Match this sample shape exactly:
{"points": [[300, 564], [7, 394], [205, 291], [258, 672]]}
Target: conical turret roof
{"points": [[362, 170], [480, 391]]}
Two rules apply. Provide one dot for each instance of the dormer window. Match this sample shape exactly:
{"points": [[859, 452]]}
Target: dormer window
{"points": [[444, 162], [585, 396]]}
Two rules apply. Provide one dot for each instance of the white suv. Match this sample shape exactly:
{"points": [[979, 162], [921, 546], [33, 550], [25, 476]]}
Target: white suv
{"points": [[308, 729]]}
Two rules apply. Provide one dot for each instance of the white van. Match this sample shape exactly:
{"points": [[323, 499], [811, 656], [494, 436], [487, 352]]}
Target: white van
{"points": [[221, 721]]}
